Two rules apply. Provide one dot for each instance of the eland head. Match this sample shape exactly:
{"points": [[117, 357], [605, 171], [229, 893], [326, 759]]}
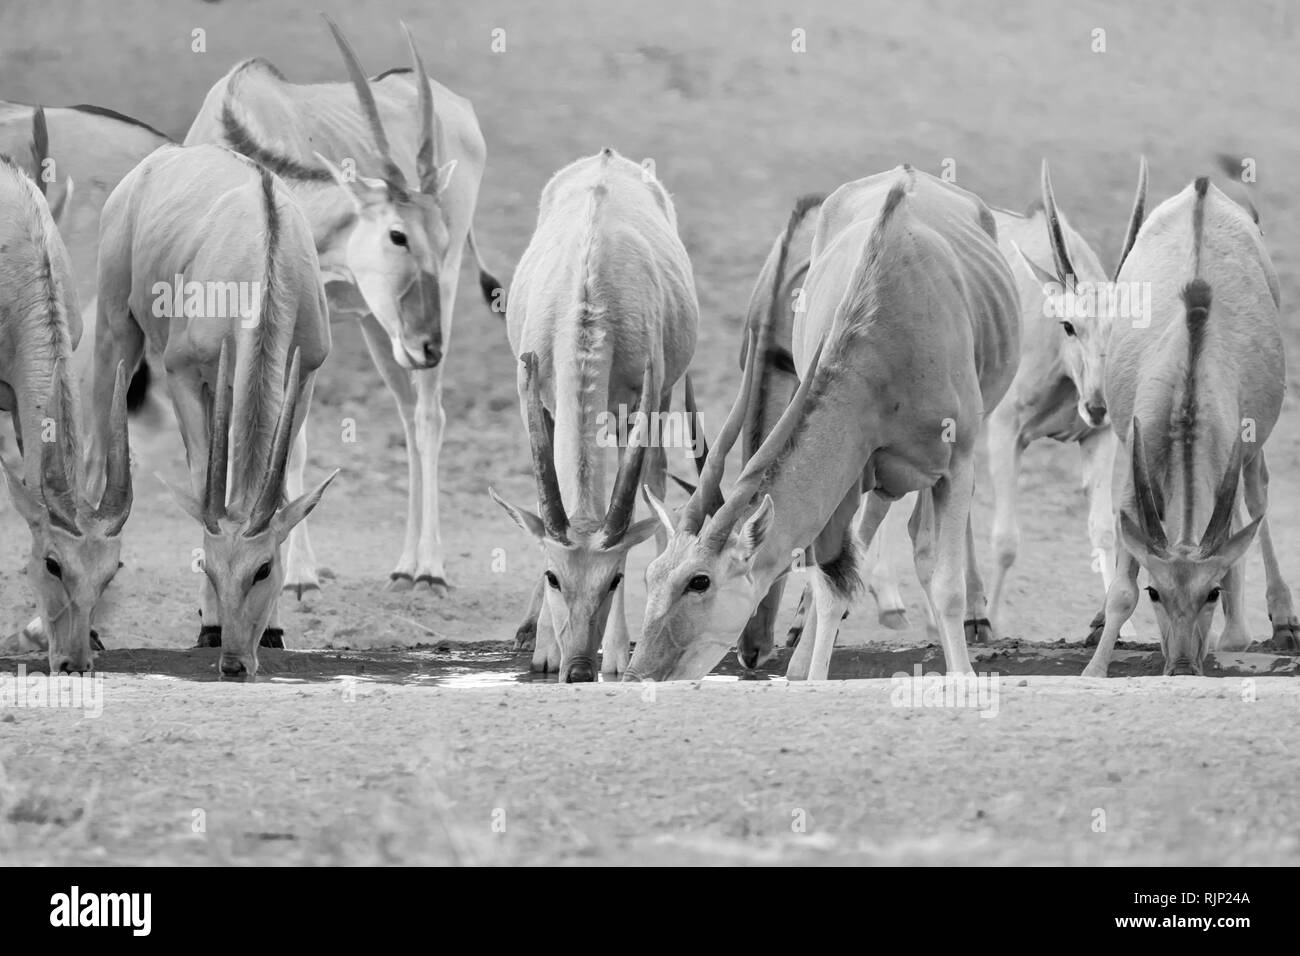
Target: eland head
{"points": [[1186, 575], [702, 588], [396, 248], [584, 555], [1083, 301], [76, 547], [241, 550]]}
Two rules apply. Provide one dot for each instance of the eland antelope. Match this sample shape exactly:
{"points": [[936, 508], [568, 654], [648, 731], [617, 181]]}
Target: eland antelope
{"points": [[387, 171], [603, 315], [90, 148], [1067, 312], [909, 337], [774, 383], [239, 375], [1196, 388], [75, 545]]}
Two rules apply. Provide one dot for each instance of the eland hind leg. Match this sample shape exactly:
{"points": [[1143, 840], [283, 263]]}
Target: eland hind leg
{"points": [[1281, 611], [944, 579], [833, 582], [882, 577]]}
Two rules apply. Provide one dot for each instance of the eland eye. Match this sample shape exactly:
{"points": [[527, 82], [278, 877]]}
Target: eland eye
{"points": [[54, 568], [1154, 595], [1212, 596], [263, 572], [552, 580], [1069, 328], [397, 237], [613, 585], [698, 583]]}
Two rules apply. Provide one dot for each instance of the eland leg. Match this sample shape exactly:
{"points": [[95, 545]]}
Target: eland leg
{"points": [[526, 635], [1281, 611], [546, 651], [794, 635], [193, 413], [300, 559], [1097, 451], [833, 582], [1121, 600], [430, 421], [882, 578], [951, 497], [1005, 450], [977, 627], [399, 383]]}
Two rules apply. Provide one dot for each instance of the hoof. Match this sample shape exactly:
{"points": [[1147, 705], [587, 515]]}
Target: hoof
{"points": [[272, 637], [1286, 637], [894, 619], [95, 643], [1092, 670], [209, 636], [432, 584], [1094, 635], [978, 630], [526, 636], [399, 581]]}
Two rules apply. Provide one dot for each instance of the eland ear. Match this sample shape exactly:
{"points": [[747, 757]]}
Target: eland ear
{"points": [[755, 529], [1134, 538], [530, 522], [189, 504], [639, 532], [443, 179], [63, 204], [29, 505], [1234, 549], [1040, 274], [355, 185], [298, 509]]}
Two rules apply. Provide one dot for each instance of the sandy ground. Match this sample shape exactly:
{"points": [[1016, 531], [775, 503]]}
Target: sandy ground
{"points": [[1068, 771], [737, 125]]}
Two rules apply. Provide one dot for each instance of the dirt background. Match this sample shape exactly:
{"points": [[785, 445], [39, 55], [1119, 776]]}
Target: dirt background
{"points": [[737, 125]]}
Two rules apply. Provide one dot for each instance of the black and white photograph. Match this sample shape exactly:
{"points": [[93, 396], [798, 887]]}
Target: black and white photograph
{"points": [[524, 433]]}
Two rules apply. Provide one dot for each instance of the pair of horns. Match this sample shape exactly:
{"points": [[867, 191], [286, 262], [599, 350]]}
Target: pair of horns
{"points": [[541, 439], [707, 499], [58, 472], [427, 153], [1060, 254], [270, 493], [1151, 505]]}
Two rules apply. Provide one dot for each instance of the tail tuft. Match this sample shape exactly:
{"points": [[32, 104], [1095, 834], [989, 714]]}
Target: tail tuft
{"points": [[1197, 297]]}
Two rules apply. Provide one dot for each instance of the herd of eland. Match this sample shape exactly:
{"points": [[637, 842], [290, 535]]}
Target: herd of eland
{"points": [[896, 325]]}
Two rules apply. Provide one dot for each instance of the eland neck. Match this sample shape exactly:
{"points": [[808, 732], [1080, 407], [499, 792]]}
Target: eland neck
{"points": [[811, 477]]}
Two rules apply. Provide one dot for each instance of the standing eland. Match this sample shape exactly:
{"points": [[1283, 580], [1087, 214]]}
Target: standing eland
{"points": [[240, 367], [1197, 390], [75, 545], [387, 171], [603, 316], [909, 337]]}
